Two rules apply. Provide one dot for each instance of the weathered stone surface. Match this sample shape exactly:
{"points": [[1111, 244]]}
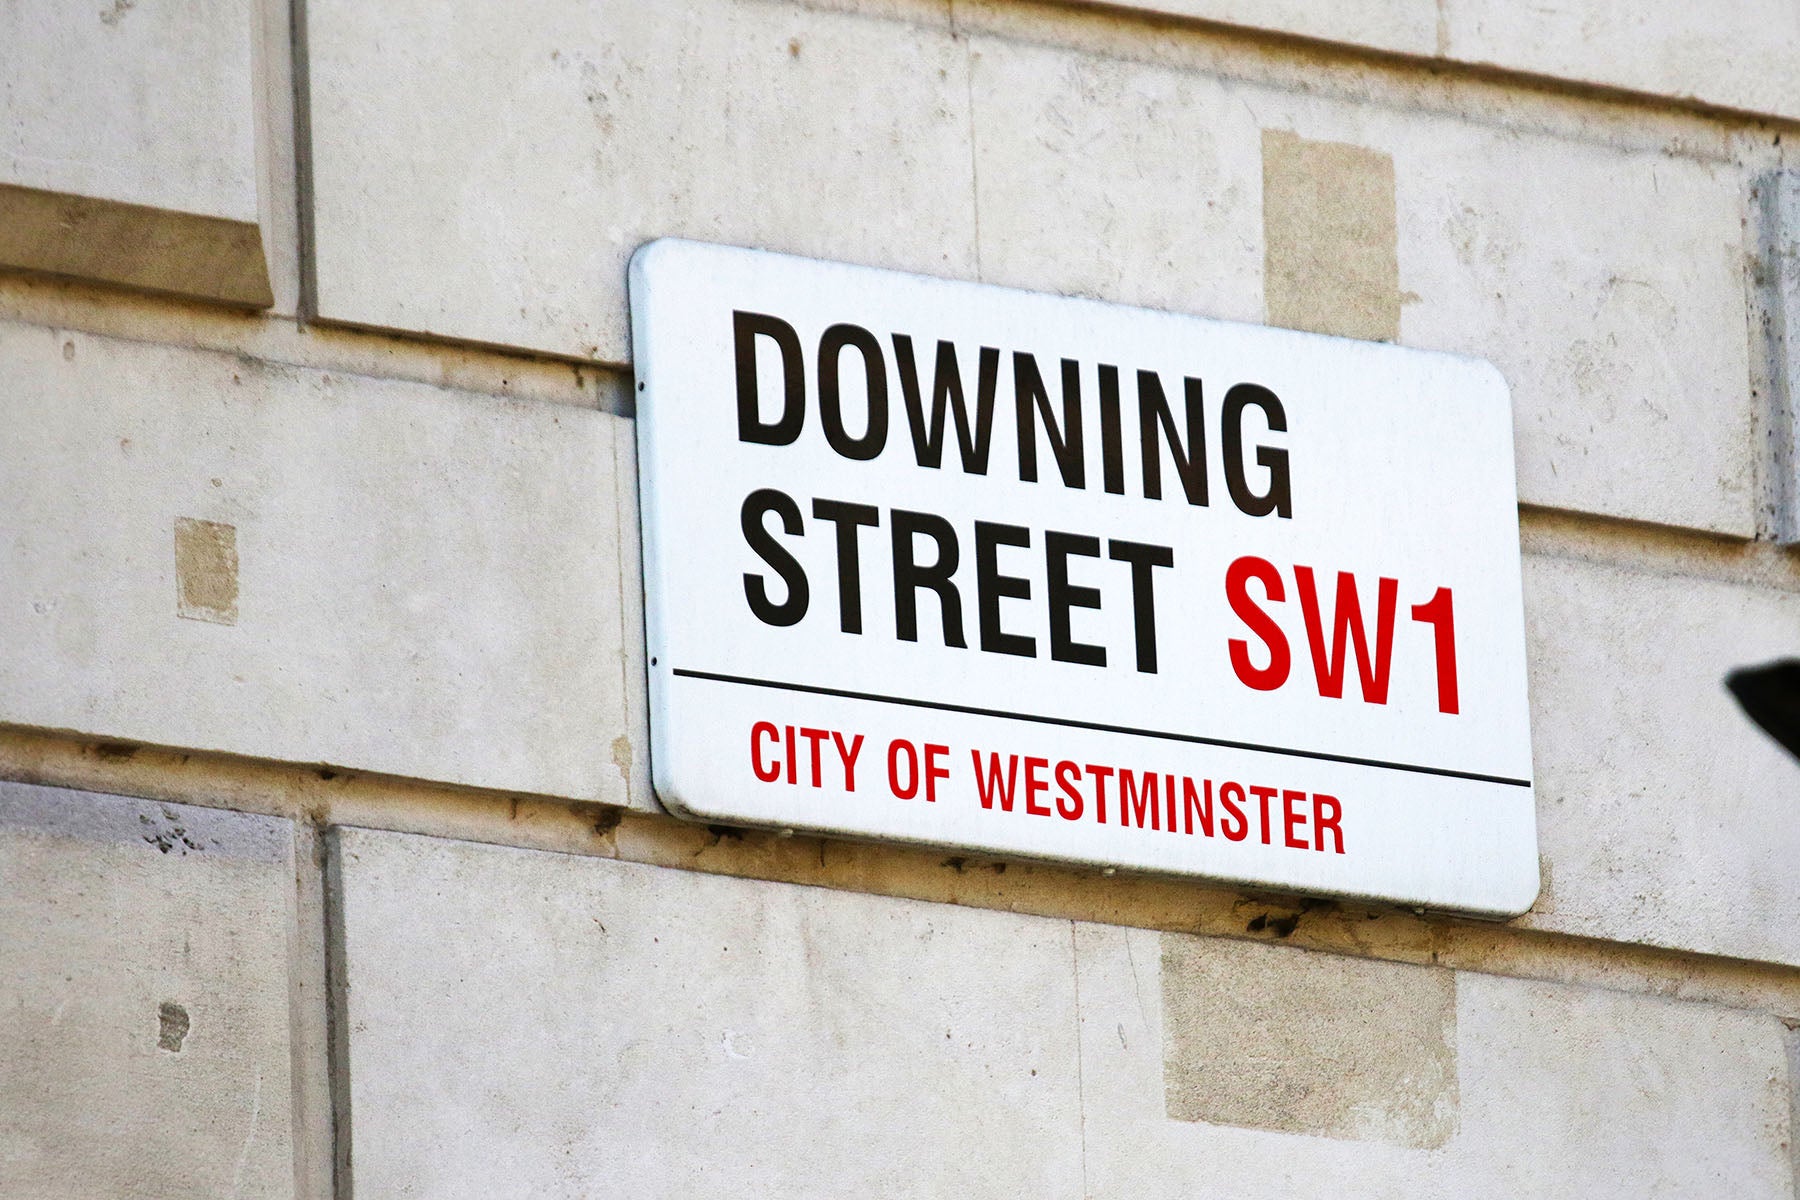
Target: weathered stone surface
{"points": [[565, 136], [1330, 246], [529, 1022], [1778, 219], [127, 146], [1558, 1091], [425, 582], [1664, 815], [147, 104], [1613, 302], [525, 1023], [1121, 181], [1656, 1096], [144, 982], [1106, 177], [1735, 56], [1738, 55], [1359, 1049]]}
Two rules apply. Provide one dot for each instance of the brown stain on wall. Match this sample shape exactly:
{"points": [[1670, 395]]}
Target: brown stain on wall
{"points": [[206, 571], [1275, 1038], [1330, 238]]}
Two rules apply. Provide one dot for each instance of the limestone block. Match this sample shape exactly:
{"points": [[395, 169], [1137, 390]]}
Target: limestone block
{"points": [[208, 551], [1738, 55], [1126, 182], [522, 1022], [1660, 1097], [489, 180], [1605, 283], [127, 145], [525, 1023], [144, 978], [1664, 816], [1734, 56], [1538, 1089]]}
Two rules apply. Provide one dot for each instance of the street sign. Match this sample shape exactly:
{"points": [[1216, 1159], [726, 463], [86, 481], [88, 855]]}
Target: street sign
{"points": [[1027, 575]]}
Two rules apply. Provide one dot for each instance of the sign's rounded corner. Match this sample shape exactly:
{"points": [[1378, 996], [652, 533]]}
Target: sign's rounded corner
{"points": [[1496, 378], [645, 256], [670, 794], [1529, 887]]}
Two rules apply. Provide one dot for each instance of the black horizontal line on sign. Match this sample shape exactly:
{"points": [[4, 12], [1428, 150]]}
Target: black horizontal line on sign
{"points": [[1037, 718]]}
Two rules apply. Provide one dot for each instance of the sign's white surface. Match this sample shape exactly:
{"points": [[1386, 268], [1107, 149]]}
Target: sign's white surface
{"points": [[960, 565]]}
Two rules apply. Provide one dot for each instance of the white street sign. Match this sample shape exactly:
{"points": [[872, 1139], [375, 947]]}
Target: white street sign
{"points": [[960, 565]]}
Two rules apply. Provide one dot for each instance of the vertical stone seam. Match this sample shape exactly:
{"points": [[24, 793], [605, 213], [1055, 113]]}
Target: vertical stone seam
{"points": [[338, 1017], [1080, 1083], [1791, 1039], [309, 1016], [968, 52], [1773, 284], [272, 76], [308, 307], [634, 658]]}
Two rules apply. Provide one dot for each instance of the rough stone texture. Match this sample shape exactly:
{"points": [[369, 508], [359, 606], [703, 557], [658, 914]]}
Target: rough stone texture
{"points": [[1778, 195], [1330, 249], [428, 581], [127, 145], [1561, 1091], [1739, 55], [1659, 1097], [1605, 283], [533, 1023], [582, 131], [143, 103], [1576, 267], [523, 1023], [144, 987], [1666, 817], [1736, 55], [1125, 182], [1354, 1049], [1612, 301]]}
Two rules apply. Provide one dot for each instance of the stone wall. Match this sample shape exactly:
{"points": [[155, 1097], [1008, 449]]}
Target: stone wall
{"points": [[329, 865]]}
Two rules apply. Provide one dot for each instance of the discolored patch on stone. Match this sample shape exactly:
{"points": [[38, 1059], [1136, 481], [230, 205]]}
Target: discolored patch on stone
{"points": [[1274, 1038], [1331, 260], [172, 1026], [206, 571]]}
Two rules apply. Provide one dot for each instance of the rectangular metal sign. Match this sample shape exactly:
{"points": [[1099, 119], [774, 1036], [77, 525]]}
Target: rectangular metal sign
{"points": [[1038, 576]]}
